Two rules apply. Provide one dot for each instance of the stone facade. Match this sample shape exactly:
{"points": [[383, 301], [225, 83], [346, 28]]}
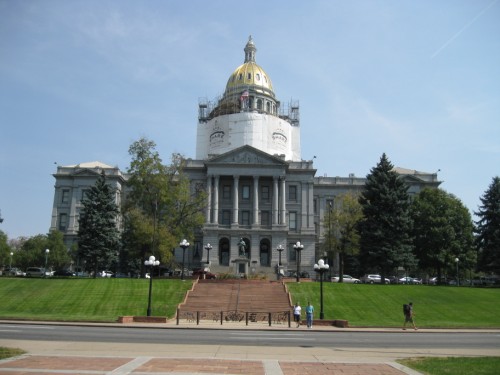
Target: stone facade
{"points": [[259, 189]]}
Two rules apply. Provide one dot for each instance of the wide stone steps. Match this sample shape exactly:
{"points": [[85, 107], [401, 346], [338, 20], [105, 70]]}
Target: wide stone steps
{"points": [[237, 295]]}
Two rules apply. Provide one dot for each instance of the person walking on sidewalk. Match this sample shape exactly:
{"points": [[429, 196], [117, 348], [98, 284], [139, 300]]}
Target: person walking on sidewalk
{"points": [[309, 314], [408, 312], [297, 311]]}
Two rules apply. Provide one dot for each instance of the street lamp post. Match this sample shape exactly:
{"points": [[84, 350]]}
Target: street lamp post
{"points": [[298, 248], [151, 262], [458, 277], [11, 254], [208, 247], [321, 268], [47, 251], [279, 249], [184, 245]]}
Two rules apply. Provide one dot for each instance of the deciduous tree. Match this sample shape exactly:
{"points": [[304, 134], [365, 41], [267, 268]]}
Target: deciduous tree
{"points": [[161, 207], [341, 224], [442, 231]]}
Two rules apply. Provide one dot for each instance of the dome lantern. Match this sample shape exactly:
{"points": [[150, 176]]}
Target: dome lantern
{"points": [[250, 50]]}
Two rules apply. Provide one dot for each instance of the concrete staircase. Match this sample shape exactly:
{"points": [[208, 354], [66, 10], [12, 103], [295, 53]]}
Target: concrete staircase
{"points": [[237, 295]]}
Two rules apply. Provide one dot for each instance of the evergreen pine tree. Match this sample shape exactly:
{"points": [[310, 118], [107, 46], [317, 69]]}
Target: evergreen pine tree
{"points": [[488, 229], [385, 229], [98, 234]]}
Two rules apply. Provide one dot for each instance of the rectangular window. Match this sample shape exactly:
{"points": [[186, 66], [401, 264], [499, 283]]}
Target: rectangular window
{"points": [[226, 217], [226, 192], [292, 220], [245, 192], [65, 196], [264, 218], [265, 193], [84, 194], [292, 193], [63, 222], [245, 217], [292, 254], [315, 206]]}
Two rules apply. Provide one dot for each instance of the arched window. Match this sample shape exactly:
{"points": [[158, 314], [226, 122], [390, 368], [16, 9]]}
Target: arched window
{"points": [[259, 104], [265, 252], [268, 107], [224, 252]]}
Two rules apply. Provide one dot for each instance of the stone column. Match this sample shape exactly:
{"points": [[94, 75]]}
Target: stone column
{"points": [[283, 200], [275, 200], [256, 199], [235, 200], [216, 200], [209, 199]]}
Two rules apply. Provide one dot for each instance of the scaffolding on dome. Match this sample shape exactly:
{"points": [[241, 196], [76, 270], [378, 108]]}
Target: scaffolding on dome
{"points": [[208, 109]]}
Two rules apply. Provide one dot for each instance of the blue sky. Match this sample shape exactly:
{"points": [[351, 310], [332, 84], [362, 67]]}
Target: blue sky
{"points": [[81, 80]]}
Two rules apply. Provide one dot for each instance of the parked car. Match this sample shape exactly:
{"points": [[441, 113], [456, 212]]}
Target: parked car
{"points": [[64, 273], [37, 271], [346, 279], [373, 279], [409, 280], [393, 279], [201, 273], [14, 272], [106, 274]]}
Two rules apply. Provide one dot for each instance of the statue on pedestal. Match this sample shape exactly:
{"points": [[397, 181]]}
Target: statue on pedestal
{"points": [[242, 247]]}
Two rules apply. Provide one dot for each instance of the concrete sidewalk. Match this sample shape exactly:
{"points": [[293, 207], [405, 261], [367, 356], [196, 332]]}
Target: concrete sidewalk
{"points": [[53, 357]]}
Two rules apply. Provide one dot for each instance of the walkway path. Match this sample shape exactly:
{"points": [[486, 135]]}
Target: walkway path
{"points": [[75, 358]]}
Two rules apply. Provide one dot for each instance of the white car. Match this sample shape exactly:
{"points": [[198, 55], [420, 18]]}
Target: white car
{"points": [[374, 279], [15, 272], [346, 279], [409, 280]]}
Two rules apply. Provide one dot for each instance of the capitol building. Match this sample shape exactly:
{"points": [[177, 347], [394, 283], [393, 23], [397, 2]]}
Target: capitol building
{"points": [[259, 189]]}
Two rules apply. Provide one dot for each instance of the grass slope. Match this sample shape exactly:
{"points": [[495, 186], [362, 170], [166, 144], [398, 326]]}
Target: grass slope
{"points": [[362, 305], [382, 305], [87, 299]]}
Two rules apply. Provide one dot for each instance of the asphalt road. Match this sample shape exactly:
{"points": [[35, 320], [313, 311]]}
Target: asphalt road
{"points": [[299, 339]]}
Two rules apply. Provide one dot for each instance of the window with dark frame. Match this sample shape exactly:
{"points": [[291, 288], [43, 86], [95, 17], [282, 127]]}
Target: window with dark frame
{"points": [[264, 218], [245, 217], [265, 193], [84, 194], [292, 253], [226, 191], [292, 220], [65, 196], [63, 222], [226, 217], [245, 192], [292, 193]]}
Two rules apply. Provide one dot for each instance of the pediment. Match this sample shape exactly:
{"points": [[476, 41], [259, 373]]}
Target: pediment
{"points": [[246, 155], [86, 172]]}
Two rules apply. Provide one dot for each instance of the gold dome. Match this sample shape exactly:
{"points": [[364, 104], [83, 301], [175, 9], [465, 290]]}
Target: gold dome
{"points": [[249, 76]]}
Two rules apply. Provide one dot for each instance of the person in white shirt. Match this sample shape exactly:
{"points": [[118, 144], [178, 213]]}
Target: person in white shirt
{"points": [[297, 310]]}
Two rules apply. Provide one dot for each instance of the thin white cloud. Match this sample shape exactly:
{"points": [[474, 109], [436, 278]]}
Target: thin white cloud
{"points": [[466, 26]]}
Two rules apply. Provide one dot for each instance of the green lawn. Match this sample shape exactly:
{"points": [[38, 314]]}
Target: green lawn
{"points": [[382, 305], [87, 299], [362, 305], [454, 365]]}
